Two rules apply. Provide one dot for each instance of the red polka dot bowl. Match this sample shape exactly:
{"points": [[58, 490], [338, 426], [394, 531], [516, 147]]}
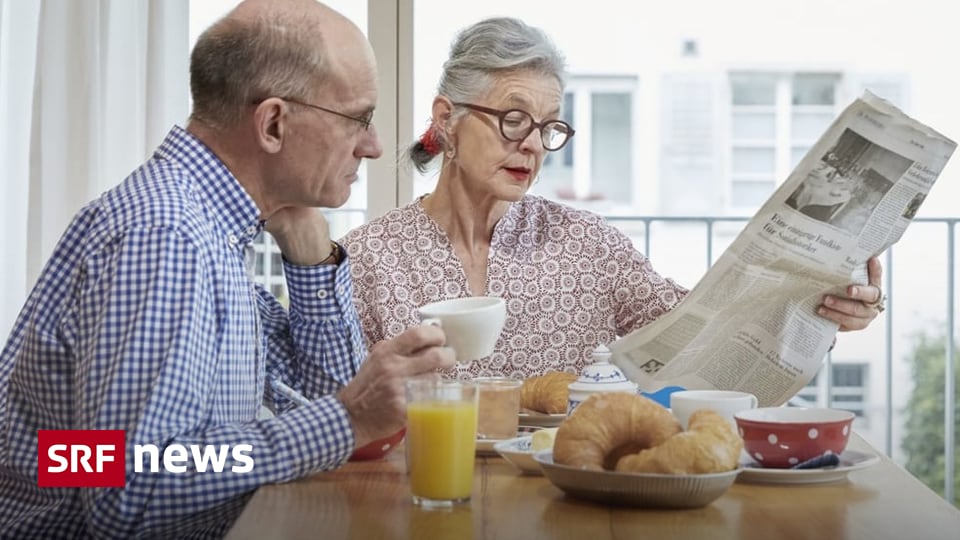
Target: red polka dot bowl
{"points": [[378, 448], [781, 437]]}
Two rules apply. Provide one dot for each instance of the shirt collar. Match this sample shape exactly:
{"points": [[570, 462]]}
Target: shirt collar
{"points": [[223, 195]]}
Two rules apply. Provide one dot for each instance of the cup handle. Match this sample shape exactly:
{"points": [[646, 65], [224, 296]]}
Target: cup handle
{"points": [[754, 403], [435, 322]]}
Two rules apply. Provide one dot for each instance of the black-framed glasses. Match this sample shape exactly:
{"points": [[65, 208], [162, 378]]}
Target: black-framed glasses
{"points": [[362, 120], [516, 125]]}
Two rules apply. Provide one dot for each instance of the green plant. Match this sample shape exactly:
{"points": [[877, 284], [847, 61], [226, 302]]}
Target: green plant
{"points": [[923, 441]]}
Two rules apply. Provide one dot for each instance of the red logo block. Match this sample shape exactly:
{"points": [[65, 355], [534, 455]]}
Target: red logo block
{"points": [[81, 458]]}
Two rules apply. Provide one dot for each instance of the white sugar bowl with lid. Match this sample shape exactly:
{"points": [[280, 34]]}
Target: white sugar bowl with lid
{"points": [[598, 377]]}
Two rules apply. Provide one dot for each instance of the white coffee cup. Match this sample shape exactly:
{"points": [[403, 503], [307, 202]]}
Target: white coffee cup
{"points": [[725, 402], [472, 324]]}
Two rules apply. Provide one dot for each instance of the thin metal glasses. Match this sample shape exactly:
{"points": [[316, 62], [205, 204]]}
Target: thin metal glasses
{"points": [[516, 125], [362, 120]]}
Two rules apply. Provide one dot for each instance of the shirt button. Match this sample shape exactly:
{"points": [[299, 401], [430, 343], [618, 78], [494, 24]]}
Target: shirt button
{"points": [[340, 290], [251, 230], [321, 294], [233, 239]]}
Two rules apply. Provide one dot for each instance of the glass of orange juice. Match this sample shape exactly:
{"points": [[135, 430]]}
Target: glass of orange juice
{"points": [[441, 435]]}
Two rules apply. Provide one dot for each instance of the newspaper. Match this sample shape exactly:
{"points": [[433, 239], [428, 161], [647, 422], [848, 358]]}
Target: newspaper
{"points": [[750, 323]]}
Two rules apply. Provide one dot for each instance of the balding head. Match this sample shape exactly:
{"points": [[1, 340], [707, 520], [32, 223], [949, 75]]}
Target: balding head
{"points": [[251, 10], [268, 48]]}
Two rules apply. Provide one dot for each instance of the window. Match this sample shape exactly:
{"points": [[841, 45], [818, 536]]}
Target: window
{"points": [[849, 391], [775, 119], [595, 169]]}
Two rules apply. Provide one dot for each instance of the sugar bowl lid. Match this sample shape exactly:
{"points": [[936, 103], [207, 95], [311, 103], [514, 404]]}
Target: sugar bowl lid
{"points": [[602, 376]]}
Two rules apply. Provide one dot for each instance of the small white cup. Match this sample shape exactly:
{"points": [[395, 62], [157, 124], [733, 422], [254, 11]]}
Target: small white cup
{"points": [[472, 324], [725, 402]]}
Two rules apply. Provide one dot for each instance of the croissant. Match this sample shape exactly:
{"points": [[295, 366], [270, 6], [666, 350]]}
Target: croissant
{"points": [[608, 426], [709, 445], [546, 393]]}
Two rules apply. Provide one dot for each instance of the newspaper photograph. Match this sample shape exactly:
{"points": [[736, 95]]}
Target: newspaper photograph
{"points": [[750, 324]]}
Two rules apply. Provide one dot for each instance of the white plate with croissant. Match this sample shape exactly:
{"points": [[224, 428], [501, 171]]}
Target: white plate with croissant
{"points": [[543, 399], [622, 448], [636, 489]]}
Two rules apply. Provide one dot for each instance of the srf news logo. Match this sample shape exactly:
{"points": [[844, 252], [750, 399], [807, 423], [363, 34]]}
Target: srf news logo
{"points": [[96, 458]]}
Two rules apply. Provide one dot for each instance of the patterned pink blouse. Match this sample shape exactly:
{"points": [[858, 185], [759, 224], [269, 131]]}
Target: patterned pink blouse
{"points": [[570, 281]]}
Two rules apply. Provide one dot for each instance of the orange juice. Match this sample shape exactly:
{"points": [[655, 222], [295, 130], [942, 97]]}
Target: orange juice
{"points": [[440, 443]]}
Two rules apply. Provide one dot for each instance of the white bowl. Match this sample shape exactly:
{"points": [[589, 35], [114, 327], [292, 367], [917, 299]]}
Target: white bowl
{"points": [[518, 452], [636, 489]]}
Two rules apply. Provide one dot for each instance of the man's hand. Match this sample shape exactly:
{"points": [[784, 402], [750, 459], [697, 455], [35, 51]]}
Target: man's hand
{"points": [[862, 304], [375, 397], [302, 234]]}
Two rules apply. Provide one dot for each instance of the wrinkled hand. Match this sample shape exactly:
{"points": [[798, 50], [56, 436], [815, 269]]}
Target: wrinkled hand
{"points": [[375, 397], [302, 234], [859, 308]]}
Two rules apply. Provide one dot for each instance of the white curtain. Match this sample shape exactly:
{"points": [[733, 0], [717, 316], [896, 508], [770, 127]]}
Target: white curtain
{"points": [[88, 88]]}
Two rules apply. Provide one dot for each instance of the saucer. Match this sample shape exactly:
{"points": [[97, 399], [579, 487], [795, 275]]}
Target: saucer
{"points": [[485, 447], [850, 460], [519, 453]]}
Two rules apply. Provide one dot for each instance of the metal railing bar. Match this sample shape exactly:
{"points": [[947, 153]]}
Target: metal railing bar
{"points": [[950, 378], [888, 350]]}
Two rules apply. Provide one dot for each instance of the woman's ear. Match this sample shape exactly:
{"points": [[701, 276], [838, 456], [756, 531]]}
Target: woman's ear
{"points": [[442, 119], [442, 109], [269, 120]]}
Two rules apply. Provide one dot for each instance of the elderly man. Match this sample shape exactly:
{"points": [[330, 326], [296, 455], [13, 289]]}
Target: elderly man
{"points": [[145, 318]]}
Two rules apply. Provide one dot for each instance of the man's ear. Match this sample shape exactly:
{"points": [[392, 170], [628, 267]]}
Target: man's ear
{"points": [[269, 122]]}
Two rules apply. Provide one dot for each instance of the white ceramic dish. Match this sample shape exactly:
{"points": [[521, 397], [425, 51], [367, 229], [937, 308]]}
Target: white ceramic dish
{"points": [[850, 461], [485, 447], [632, 489], [539, 419], [518, 452]]}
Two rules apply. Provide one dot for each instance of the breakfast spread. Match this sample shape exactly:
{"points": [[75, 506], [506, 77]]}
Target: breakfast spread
{"points": [[547, 393], [630, 433]]}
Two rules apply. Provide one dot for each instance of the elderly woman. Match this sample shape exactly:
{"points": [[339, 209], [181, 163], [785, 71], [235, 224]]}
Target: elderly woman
{"points": [[570, 280]]}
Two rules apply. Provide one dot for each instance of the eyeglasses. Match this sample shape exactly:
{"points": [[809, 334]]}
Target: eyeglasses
{"points": [[516, 125], [362, 120]]}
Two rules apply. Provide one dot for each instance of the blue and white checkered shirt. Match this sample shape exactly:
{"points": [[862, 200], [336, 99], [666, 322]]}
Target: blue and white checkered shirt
{"points": [[146, 320]]}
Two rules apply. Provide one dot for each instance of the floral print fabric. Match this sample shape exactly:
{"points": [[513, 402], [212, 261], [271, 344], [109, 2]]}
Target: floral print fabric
{"points": [[570, 281]]}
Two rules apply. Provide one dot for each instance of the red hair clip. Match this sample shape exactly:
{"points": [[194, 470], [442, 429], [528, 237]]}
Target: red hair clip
{"points": [[430, 141]]}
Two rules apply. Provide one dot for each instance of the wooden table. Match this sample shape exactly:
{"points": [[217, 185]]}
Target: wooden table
{"points": [[368, 500]]}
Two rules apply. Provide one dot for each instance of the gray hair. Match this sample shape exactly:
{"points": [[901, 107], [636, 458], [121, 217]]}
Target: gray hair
{"points": [[481, 53], [236, 62]]}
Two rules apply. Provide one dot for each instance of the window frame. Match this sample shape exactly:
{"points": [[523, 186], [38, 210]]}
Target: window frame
{"points": [[783, 141], [582, 88]]}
